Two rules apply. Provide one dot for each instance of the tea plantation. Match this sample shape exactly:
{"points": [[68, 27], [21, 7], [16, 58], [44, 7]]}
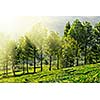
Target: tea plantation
{"points": [[78, 74]]}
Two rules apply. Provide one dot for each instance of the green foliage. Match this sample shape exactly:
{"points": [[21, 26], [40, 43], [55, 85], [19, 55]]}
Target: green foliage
{"points": [[87, 40], [68, 51], [66, 29], [96, 47], [53, 43], [53, 47], [76, 30], [40, 47]]}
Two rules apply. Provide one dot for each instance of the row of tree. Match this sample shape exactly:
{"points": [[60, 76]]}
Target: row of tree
{"points": [[87, 42], [79, 45]]}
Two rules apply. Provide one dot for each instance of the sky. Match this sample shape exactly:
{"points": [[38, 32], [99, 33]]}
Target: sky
{"points": [[14, 26], [18, 24]]}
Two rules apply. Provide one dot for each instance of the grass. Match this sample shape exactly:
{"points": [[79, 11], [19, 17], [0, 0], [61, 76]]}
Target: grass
{"points": [[79, 74]]}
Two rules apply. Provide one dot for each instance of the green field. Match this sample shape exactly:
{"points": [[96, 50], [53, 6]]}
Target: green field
{"points": [[79, 74]]}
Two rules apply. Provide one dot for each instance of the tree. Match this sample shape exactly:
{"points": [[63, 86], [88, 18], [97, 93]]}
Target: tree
{"points": [[35, 55], [68, 51], [37, 36], [14, 58], [57, 46], [75, 32], [29, 49], [21, 52], [6, 56], [4, 61], [53, 47], [96, 43], [67, 28], [86, 40]]}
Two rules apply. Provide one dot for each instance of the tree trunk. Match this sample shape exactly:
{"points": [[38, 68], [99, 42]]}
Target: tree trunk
{"points": [[7, 69], [57, 61], [41, 60], [50, 63], [4, 69], [27, 65], [66, 62], [85, 59], [77, 60], [13, 69], [73, 61], [34, 65], [23, 67], [34, 60]]}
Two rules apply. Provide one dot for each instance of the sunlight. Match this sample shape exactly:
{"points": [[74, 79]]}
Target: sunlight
{"points": [[12, 23], [49, 46], [5, 23], [13, 26]]}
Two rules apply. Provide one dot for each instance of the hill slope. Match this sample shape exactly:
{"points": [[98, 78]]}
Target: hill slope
{"points": [[80, 74]]}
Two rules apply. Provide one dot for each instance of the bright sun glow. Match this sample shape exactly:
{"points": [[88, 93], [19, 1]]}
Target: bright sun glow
{"points": [[14, 26], [5, 24]]}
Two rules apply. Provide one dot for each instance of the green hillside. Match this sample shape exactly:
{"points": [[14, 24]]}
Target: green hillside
{"points": [[80, 74]]}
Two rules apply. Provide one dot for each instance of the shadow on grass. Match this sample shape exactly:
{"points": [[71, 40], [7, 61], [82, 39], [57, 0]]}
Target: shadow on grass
{"points": [[17, 75]]}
